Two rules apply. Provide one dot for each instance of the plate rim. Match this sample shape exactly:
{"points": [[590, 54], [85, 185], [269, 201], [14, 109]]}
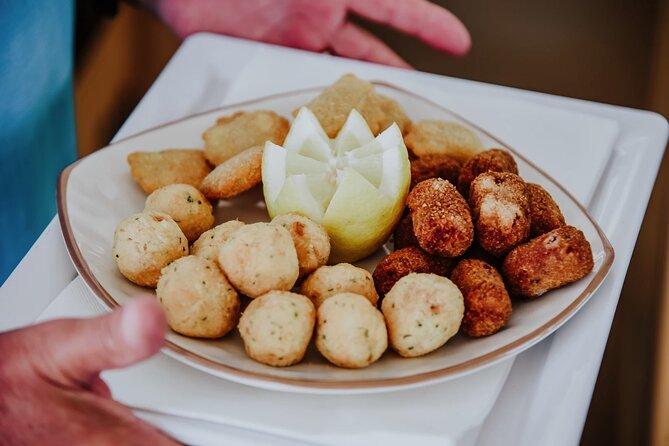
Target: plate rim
{"points": [[373, 385]]}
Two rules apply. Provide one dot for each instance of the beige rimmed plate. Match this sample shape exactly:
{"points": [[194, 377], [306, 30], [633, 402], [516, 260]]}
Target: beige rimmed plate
{"points": [[97, 192]]}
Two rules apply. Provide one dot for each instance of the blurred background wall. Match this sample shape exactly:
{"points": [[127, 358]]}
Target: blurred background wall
{"points": [[613, 52]]}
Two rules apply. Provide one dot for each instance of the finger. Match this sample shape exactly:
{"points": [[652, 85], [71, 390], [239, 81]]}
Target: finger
{"points": [[351, 41], [76, 350], [432, 24], [105, 422], [99, 387], [297, 33]]}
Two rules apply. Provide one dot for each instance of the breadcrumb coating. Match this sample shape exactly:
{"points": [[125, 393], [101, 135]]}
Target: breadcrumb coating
{"points": [[501, 211], [487, 303], [441, 218], [549, 261]]}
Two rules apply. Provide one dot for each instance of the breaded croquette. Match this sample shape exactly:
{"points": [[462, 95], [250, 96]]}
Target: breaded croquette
{"points": [[435, 166], [403, 236], [493, 160], [234, 134], [487, 304], [441, 218], [549, 261], [501, 211], [545, 214], [311, 241], [334, 104], [234, 176], [405, 261], [430, 137], [153, 170]]}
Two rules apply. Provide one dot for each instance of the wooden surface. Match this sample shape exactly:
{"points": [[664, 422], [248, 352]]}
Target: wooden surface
{"points": [[614, 52]]}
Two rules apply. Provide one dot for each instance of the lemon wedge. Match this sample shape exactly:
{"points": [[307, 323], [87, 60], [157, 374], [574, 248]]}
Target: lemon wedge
{"points": [[355, 185]]}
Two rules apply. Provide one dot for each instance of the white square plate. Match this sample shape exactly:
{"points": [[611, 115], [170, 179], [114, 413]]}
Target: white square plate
{"points": [[97, 192]]}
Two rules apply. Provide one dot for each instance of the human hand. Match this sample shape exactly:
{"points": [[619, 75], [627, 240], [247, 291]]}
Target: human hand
{"points": [[50, 386], [319, 25]]}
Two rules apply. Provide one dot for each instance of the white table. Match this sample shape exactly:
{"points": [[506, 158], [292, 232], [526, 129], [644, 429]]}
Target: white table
{"points": [[547, 393]]}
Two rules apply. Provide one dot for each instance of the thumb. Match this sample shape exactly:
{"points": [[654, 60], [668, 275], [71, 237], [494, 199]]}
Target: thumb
{"points": [[75, 351]]}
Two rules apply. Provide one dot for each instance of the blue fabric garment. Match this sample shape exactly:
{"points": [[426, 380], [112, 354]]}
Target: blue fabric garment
{"points": [[37, 133]]}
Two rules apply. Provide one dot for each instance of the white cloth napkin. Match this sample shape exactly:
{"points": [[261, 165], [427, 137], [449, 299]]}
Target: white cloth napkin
{"points": [[212, 411]]}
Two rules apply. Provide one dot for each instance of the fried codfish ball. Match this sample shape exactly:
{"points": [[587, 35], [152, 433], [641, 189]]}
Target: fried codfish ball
{"points": [[197, 298], [392, 112], [327, 281], [209, 243], [312, 241], [441, 218], [430, 137], [501, 211], [487, 304], [153, 170], [545, 214], [258, 258], [403, 236], [144, 243], [276, 328], [233, 134], [549, 261], [422, 312], [235, 175], [334, 104], [493, 160], [186, 205], [405, 261], [434, 166], [350, 331]]}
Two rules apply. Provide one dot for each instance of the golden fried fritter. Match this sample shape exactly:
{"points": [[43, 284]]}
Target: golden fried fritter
{"points": [[187, 207], [430, 137], [334, 104], [392, 112], [435, 166], [403, 235], [441, 218], [493, 160], [422, 312], [153, 170], [233, 134], [312, 241], [406, 261], [350, 331], [545, 214], [327, 281], [234, 176], [501, 211], [487, 304], [549, 261]]}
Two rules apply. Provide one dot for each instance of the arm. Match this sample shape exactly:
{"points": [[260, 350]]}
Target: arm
{"points": [[318, 25]]}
